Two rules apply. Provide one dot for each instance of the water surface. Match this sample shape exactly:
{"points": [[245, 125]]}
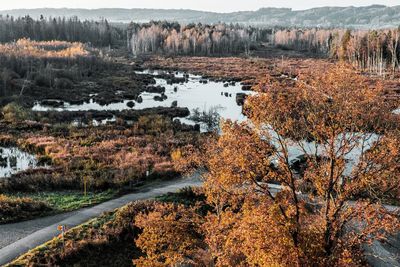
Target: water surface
{"points": [[13, 160], [196, 93]]}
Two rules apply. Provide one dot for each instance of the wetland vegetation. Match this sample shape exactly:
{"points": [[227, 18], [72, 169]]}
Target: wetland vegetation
{"points": [[293, 130]]}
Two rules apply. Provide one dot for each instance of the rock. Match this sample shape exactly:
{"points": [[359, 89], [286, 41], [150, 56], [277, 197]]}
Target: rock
{"points": [[226, 94], [160, 98], [174, 104], [77, 102], [129, 96], [130, 104], [52, 103], [3, 162], [247, 87], [226, 85], [127, 114], [240, 98], [155, 89], [139, 99]]}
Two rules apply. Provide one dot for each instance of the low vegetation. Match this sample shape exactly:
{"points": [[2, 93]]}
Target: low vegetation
{"points": [[24, 206], [14, 209], [108, 240], [100, 158], [322, 216], [50, 49], [303, 182], [89, 165]]}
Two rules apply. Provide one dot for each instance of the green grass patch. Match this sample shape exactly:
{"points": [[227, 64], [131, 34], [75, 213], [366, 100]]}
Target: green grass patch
{"points": [[68, 201], [64, 201]]}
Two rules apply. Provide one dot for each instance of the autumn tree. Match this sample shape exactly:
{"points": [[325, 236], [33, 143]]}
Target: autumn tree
{"points": [[303, 182], [349, 156], [166, 222]]}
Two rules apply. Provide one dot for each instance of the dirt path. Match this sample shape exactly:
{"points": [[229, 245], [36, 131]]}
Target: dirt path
{"points": [[18, 238]]}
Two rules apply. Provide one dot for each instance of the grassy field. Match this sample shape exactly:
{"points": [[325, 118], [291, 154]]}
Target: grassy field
{"points": [[72, 200]]}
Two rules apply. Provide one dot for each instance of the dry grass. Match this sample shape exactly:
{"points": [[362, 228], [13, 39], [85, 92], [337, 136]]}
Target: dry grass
{"points": [[50, 49], [101, 157], [241, 69], [16, 209]]}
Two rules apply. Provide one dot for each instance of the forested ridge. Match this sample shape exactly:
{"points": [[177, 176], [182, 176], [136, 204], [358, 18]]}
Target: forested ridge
{"points": [[374, 16]]}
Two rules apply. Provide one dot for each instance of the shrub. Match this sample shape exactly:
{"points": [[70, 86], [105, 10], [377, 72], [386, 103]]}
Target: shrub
{"points": [[15, 113], [153, 124], [16, 209], [41, 80], [63, 83]]}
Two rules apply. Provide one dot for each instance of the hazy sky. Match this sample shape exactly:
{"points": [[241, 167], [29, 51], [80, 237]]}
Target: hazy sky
{"points": [[210, 5]]}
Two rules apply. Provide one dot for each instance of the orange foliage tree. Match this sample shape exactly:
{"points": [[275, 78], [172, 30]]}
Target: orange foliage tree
{"points": [[301, 183]]}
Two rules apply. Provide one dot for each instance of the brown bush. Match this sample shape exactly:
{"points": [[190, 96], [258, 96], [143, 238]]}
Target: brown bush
{"points": [[16, 209]]}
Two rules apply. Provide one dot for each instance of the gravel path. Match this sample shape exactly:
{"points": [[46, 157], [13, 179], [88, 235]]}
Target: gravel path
{"points": [[18, 238]]}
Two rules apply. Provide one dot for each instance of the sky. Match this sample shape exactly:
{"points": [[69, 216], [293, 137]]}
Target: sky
{"points": [[207, 5]]}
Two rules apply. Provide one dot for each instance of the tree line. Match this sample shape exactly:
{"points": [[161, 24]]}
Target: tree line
{"points": [[193, 39], [98, 33], [375, 51]]}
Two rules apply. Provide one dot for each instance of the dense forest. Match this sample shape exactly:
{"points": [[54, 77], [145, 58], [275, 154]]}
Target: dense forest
{"points": [[193, 39], [375, 51], [98, 33]]}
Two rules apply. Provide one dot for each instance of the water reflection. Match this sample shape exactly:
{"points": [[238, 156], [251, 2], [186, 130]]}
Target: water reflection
{"points": [[352, 146], [195, 94], [13, 160]]}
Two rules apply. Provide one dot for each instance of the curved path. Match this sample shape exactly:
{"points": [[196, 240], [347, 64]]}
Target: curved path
{"points": [[18, 238]]}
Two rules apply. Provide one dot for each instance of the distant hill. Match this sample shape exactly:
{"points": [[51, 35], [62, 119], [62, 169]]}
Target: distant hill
{"points": [[375, 16]]}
